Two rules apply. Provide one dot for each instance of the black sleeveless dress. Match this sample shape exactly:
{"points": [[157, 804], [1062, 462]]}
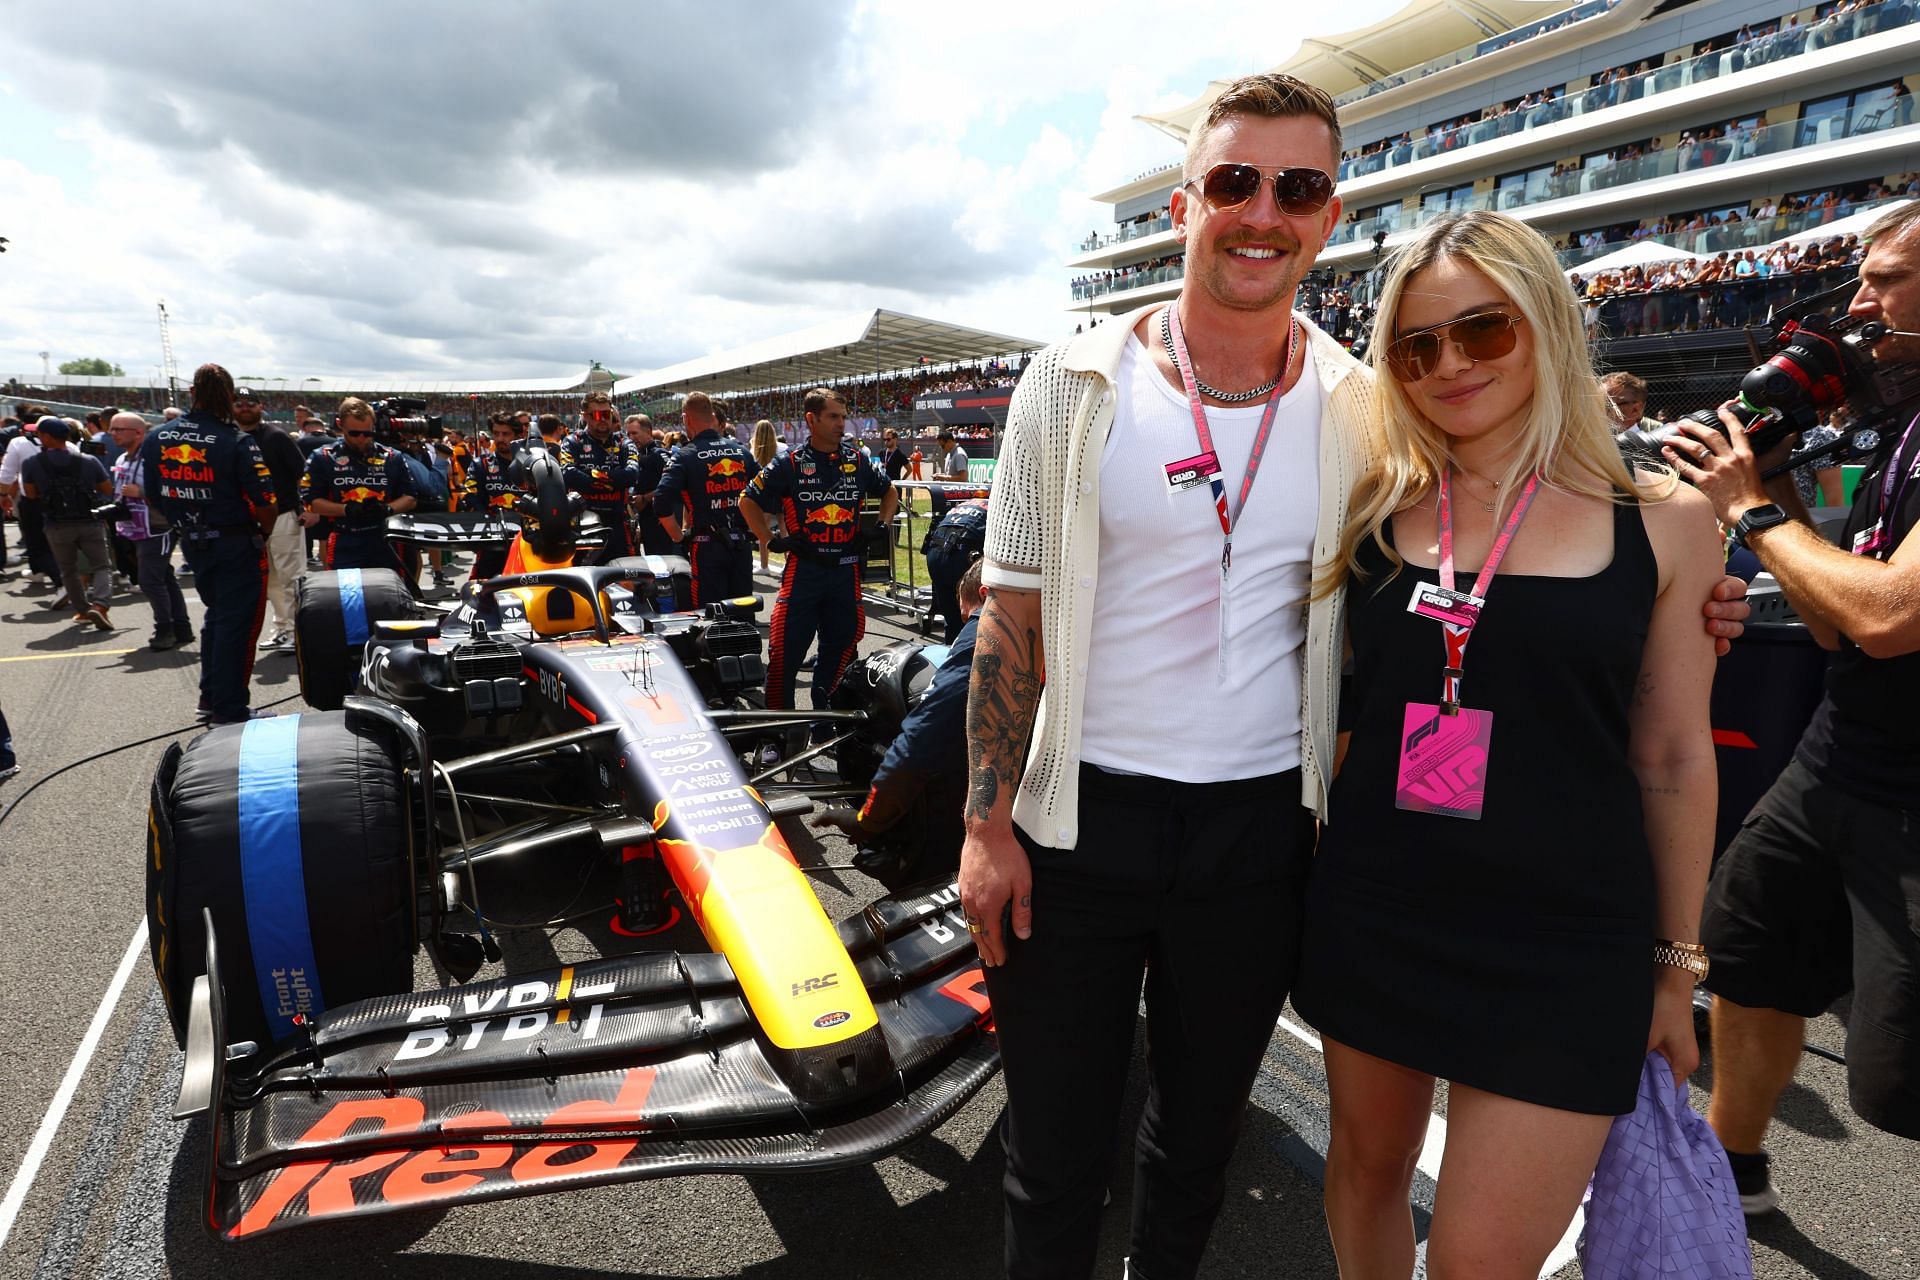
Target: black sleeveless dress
{"points": [[1512, 953]]}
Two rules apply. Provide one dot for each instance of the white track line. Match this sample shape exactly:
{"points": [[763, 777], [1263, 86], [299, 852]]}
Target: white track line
{"points": [[1435, 1147], [63, 1096]]}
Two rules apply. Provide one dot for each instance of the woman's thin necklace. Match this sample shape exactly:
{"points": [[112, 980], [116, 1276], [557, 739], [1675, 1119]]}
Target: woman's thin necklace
{"points": [[1226, 397], [1491, 505]]}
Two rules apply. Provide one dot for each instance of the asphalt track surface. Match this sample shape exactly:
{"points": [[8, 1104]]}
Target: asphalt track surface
{"points": [[119, 1190]]}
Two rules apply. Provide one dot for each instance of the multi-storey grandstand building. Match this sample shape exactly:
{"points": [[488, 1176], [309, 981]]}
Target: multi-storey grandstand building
{"points": [[1712, 126]]}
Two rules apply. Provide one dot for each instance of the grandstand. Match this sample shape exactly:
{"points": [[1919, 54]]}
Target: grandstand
{"points": [[880, 359]]}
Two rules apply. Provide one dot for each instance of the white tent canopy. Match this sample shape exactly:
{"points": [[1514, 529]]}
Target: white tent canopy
{"points": [[1854, 224], [1641, 253], [851, 346]]}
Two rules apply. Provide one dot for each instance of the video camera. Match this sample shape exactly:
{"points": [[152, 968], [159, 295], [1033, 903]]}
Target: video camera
{"points": [[1825, 359], [403, 416]]}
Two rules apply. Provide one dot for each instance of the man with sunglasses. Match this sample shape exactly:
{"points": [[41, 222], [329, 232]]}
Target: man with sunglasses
{"points": [[356, 483], [1819, 894], [602, 466], [1160, 824]]}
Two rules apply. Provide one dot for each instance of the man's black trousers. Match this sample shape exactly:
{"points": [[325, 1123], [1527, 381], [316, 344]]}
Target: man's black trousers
{"points": [[1197, 888], [722, 567], [230, 573]]}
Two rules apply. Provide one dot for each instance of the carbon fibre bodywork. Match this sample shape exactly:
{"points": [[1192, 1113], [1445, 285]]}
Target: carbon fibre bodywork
{"points": [[790, 1043]]}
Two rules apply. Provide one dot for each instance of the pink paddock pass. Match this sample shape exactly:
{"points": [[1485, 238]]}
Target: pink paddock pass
{"points": [[1443, 761]]}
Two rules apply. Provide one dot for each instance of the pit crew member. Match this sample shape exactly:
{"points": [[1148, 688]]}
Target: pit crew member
{"points": [[602, 466], [949, 547], [908, 829], [1819, 894], [286, 545], [208, 479], [652, 464], [490, 487], [818, 489], [696, 504], [356, 483]]}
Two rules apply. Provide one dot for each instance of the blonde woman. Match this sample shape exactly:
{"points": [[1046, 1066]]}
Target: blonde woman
{"points": [[1512, 870], [765, 447]]}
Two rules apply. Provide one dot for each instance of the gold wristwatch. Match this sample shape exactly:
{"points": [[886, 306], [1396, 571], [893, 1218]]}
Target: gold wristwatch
{"points": [[1690, 956]]}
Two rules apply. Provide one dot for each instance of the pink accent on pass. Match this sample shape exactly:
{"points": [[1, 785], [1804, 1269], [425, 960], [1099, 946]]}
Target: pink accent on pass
{"points": [[1443, 761]]}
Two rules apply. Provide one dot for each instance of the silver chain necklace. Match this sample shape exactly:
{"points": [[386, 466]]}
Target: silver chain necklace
{"points": [[1224, 397]]}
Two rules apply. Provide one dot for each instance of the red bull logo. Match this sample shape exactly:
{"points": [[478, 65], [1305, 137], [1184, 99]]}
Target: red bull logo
{"points": [[360, 493], [832, 515], [727, 467], [184, 453]]}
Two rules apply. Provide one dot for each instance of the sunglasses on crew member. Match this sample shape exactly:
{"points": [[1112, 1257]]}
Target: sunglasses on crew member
{"points": [[1484, 335], [355, 435], [1298, 192]]}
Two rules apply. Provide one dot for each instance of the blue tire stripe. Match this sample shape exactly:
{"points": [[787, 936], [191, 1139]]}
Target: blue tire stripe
{"points": [[273, 874], [353, 606]]}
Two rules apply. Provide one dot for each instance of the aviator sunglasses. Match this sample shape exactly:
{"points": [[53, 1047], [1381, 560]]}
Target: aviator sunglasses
{"points": [[1484, 335], [1298, 192]]}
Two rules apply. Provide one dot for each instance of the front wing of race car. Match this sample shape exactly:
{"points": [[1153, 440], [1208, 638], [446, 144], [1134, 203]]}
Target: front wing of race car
{"points": [[619, 1069]]}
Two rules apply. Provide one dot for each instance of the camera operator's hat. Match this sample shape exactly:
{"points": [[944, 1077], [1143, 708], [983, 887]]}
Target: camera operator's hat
{"points": [[54, 427], [245, 393]]}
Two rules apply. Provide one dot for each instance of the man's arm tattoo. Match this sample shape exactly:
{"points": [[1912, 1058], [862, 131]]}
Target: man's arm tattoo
{"points": [[1007, 680]]}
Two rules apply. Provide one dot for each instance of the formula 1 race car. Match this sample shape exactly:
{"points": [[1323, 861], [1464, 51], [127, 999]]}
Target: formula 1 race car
{"points": [[560, 744]]}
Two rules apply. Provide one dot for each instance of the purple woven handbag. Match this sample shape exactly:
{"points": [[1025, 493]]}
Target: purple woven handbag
{"points": [[1662, 1202]]}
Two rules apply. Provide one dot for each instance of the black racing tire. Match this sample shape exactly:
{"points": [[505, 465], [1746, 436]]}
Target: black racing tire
{"points": [[223, 815], [327, 618]]}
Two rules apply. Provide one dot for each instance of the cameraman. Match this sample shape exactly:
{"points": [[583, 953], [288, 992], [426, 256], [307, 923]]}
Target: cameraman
{"points": [[1819, 892]]}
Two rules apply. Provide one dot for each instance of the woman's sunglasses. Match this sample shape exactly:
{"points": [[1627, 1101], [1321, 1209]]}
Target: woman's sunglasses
{"points": [[1298, 192], [1484, 335]]}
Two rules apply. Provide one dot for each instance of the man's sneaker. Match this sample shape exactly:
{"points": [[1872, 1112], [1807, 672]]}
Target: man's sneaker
{"points": [[441, 578], [1757, 1195], [278, 640], [63, 601], [10, 771], [97, 615], [162, 640], [183, 632]]}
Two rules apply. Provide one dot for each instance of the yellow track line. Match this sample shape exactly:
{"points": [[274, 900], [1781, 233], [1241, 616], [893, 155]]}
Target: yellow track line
{"points": [[77, 653]]}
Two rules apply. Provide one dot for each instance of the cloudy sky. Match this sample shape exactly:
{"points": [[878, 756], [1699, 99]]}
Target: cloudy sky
{"points": [[504, 188]]}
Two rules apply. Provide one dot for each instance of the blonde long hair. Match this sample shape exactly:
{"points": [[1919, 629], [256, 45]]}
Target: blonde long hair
{"points": [[1568, 437], [765, 442]]}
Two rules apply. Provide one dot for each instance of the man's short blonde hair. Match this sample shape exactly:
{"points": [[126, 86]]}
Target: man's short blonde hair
{"points": [[356, 408], [1270, 95]]}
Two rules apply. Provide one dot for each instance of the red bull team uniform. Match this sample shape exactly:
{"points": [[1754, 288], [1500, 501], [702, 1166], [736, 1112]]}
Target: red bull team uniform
{"points": [[490, 486], [818, 497], [603, 473], [701, 488], [366, 484], [208, 479]]}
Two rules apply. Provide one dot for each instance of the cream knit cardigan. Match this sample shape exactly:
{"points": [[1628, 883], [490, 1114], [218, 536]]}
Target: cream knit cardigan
{"points": [[1043, 534]]}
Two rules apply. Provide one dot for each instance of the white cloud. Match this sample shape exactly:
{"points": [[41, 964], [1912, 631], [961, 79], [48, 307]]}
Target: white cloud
{"points": [[514, 191]]}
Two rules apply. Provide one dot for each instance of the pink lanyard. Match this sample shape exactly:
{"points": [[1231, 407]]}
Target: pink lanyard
{"points": [[1454, 634], [1184, 364]]}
